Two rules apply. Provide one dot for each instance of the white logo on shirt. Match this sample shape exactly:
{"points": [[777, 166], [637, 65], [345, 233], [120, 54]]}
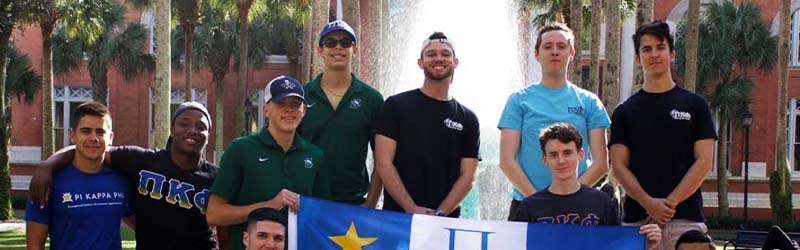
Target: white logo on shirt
{"points": [[263, 159], [309, 162], [310, 105], [680, 115], [67, 197], [453, 124]]}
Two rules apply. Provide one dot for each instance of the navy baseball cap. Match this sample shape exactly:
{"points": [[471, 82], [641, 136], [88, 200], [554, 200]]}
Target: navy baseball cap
{"points": [[282, 87], [337, 25]]}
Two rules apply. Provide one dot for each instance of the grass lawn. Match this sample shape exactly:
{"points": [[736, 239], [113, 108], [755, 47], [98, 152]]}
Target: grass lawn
{"points": [[16, 239]]}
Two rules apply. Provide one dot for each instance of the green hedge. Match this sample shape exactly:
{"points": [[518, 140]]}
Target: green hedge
{"points": [[734, 223]]}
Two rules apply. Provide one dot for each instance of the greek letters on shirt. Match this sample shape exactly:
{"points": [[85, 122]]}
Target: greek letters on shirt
{"points": [[178, 191], [590, 220]]}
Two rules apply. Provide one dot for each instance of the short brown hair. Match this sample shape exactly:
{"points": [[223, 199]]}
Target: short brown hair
{"points": [[90, 108], [563, 132], [551, 27]]}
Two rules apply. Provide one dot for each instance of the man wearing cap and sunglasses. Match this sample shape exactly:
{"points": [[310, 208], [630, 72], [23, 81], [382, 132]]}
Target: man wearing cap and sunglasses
{"points": [[427, 142], [340, 113], [270, 168], [173, 184]]}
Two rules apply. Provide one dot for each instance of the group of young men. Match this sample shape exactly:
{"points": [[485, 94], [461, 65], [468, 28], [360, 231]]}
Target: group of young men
{"points": [[426, 151]]}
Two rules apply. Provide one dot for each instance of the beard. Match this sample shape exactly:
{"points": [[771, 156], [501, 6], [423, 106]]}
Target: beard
{"points": [[438, 77]]}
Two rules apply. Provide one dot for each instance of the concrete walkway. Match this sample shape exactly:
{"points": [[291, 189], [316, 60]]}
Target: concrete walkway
{"points": [[13, 225]]}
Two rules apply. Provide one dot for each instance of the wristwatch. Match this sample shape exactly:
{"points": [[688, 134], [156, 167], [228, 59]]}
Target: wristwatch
{"points": [[439, 213]]}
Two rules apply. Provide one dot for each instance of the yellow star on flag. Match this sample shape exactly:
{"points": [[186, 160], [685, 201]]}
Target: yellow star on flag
{"points": [[351, 241]]}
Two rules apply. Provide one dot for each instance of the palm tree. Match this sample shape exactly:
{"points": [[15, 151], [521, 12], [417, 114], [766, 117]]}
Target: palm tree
{"points": [[351, 11], [780, 181], [320, 10], [163, 86], [741, 43], [120, 44], [611, 66], [576, 24], [81, 19], [189, 13], [372, 52], [692, 24], [20, 81], [214, 46], [594, 57], [644, 15]]}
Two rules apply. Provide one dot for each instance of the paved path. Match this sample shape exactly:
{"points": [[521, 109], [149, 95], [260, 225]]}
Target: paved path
{"points": [[8, 226]]}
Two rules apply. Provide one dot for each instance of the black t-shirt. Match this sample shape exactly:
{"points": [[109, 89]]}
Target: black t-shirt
{"points": [[169, 202], [660, 130], [587, 206], [432, 137]]}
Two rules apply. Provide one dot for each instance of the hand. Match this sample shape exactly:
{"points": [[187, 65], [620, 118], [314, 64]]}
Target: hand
{"points": [[653, 234], [286, 198], [421, 210], [660, 210], [41, 182]]}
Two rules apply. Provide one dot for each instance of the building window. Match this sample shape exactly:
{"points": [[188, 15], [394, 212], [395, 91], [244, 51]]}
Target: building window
{"points": [[794, 135], [254, 115], [176, 98], [66, 99]]}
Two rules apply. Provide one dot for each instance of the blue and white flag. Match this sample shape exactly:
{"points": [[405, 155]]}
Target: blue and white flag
{"points": [[322, 225]]}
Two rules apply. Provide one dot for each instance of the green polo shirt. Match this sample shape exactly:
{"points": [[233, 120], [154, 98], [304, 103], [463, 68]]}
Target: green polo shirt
{"points": [[255, 169], [343, 134]]}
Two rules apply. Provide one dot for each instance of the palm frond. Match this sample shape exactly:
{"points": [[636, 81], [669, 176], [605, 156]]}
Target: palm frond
{"points": [[21, 80]]}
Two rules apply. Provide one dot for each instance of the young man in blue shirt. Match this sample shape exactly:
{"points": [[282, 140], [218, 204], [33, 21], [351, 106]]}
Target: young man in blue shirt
{"points": [[88, 200], [552, 100]]}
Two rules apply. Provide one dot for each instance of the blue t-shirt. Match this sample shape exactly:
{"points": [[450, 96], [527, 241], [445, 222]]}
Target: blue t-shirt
{"points": [[84, 210], [536, 107]]}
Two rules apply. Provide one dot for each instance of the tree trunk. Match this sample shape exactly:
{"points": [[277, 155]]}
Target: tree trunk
{"points": [[241, 87], [594, 62], [188, 31], [782, 193], [692, 25], [6, 211], [644, 15], [219, 104], [722, 162], [320, 15], [611, 68], [523, 43], [98, 72], [351, 12], [308, 50], [48, 143], [373, 54], [292, 53], [163, 85], [576, 23]]}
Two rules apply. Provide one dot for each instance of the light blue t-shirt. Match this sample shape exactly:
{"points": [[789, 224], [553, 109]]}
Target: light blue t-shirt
{"points": [[536, 107], [84, 210]]}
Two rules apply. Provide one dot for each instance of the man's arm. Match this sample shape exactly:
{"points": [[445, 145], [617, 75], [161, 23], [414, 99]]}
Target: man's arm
{"points": [[599, 167], [661, 210], [509, 148], [41, 181], [130, 221], [223, 238], [384, 155], [703, 151], [35, 235], [462, 186], [375, 189], [222, 213]]}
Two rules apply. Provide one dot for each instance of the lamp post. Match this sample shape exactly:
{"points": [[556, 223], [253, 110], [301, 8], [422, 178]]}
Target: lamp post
{"points": [[747, 121]]}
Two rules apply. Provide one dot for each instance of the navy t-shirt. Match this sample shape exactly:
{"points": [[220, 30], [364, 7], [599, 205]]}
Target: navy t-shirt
{"points": [[170, 203], [587, 206], [660, 130], [432, 137], [84, 210]]}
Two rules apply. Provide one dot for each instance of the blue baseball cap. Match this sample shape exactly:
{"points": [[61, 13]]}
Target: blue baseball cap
{"points": [[282, 87], [337, 25]]}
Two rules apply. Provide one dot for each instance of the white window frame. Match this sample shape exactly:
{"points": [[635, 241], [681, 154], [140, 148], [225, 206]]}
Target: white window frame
{"points": [[794, 58], [791, 133], [68, 95], [176, 97]]}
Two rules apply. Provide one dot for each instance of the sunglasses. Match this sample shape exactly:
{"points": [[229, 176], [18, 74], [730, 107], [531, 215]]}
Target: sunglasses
{"points": [[345, 43]]}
